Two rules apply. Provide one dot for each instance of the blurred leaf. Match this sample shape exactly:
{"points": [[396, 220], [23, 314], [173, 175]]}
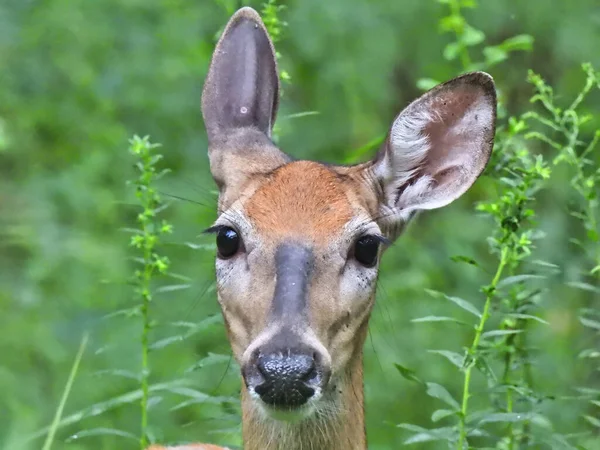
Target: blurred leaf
{"points": [[464, 304], [438, 391], [426, 84], [495, 333], [590, 323], [509, 281], [437, 319], [118, 373], [584, 286], [102, 407], [484, 367], [472, 36], [494, 55], [440, 414], [593, 420], [407, 373], [455, 358], [425, 435], [465, 259], [523, 42], [173, 287], [101, 432], [505, 418], [589, 353], [451, 51], [527, 317]]}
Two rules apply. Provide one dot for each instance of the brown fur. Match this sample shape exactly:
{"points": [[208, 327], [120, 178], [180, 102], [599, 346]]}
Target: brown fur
{"points": [[302, 198]]}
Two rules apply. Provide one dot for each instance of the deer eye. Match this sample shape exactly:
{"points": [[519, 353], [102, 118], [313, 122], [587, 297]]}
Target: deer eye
{"points": [[366, 249], [228, 242]]}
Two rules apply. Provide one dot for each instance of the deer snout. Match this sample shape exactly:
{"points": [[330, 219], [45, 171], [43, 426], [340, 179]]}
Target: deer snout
{"points": [[286, 379]]}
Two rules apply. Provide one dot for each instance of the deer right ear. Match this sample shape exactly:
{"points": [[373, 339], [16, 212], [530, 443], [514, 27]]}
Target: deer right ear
{"points": [[242, 86], [239, 105]]}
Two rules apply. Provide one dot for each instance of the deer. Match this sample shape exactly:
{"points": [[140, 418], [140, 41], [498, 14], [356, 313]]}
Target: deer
{"points": [[299, 242]]}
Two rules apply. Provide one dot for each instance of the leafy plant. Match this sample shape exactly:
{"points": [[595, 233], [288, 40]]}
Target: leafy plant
{"points": [[511, 297], [561, 130], [146, 239]]}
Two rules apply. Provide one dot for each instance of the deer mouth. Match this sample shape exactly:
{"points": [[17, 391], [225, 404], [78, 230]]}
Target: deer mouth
{"points": [[291, 413]]}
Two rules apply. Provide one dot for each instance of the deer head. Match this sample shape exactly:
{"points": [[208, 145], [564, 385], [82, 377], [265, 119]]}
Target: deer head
{"points": [[299, 242]]}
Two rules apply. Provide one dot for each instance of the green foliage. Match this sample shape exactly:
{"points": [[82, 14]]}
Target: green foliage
{"points": [[511, 302], [65, 396], [81, 77], [146, 239], [467, 37], [561, 131]]}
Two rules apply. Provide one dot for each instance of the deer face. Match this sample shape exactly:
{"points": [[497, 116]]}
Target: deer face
{"points": [[299, 242]]}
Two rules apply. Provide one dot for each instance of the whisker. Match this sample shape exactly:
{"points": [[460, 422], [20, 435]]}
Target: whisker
{"points": [[224, 374]]}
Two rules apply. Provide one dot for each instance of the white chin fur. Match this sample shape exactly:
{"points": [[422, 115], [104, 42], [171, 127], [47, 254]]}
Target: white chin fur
{"points": [[282, 415]]}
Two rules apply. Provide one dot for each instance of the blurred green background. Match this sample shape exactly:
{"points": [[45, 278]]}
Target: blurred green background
{"points": [[78, 78]]}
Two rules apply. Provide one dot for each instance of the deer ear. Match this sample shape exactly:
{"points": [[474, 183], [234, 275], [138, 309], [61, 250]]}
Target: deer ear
{"points": [[242, 86], [239, 105], [438, 146]]}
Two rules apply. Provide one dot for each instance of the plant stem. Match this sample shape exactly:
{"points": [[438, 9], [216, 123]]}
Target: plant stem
{"points": [[145, 369], [506, 382], [65, 394], [472, 350], [148, 229]]}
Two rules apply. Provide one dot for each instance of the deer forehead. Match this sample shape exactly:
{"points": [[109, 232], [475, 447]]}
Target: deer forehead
{"points": [[303, 200]]}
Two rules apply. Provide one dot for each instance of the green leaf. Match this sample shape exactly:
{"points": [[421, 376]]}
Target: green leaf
{"points": [[505, 418], [590, 323], [527, 317], [438, 391], [425, 435], [441, 414], [117, 373], [407, 373], [102, 407], [455, 358], [589, 353], [426, 84], [451, 51], [495, 333], [509, 281], [464, 259], [461, 303], [437, 319], [584, 286], [593, 420], [173, 287], [101, 432], [483, 366], [472, 36], [523, 42], [494, 55]]}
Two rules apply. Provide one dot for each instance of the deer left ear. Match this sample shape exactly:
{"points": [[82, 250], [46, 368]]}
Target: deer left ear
{"points": [[438, 146]]}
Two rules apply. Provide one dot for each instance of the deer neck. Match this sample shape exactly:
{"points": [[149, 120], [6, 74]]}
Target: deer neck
{"points": [[345, 430]]}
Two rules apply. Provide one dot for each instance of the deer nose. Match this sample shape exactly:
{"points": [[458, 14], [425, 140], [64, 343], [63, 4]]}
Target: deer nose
{"points": [[288, 380]]}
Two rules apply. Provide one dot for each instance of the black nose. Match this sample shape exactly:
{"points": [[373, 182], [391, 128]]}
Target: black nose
{"points": [[287, 380]]}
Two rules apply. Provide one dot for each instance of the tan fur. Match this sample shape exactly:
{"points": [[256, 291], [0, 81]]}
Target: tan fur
{"points": [[302, 198]]}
